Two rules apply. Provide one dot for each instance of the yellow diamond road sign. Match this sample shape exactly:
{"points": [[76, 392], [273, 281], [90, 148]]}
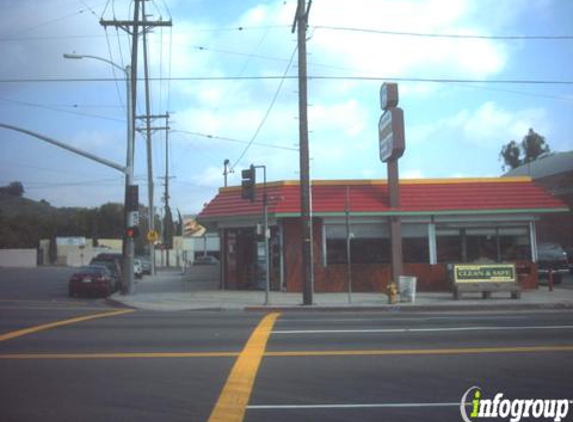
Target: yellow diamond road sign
{"points": [[152, 236]]}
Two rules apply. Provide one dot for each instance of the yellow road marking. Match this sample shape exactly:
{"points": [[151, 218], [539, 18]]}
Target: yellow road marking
{"points": [[406, 352], [318, 353], [134, 355], [234, 398], [42, 327], [48, 302]]}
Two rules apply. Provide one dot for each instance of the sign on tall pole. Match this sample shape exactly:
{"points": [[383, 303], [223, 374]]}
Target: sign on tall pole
{"points": [[392, 143]]}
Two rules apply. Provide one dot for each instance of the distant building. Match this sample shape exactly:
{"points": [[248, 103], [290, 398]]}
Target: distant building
{"points": [[443, 221], [555, 174]]}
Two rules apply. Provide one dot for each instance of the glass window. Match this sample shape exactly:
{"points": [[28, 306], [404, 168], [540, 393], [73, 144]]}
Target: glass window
{"points": [[514, 244], [481, 245], [486, 244], [335, 251], [415, 243], [369, 244], [449, 245]]}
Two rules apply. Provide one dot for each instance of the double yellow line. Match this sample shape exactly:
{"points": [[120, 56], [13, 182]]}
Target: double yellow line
{"points": [[235, 395], [234, 398]]}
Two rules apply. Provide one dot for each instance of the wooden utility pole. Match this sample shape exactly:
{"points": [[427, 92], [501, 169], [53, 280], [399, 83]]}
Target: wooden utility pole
{"points": [[301, 22], [168, 225], [136, 27]]}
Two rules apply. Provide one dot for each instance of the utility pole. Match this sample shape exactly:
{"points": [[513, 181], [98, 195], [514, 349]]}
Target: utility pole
{"points": [[168, 225], [136, 27], [301, 22], [226, 170], [147, 130]]}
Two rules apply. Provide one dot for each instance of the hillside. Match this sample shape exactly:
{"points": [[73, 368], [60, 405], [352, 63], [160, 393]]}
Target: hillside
{"points": [[15, 206]]}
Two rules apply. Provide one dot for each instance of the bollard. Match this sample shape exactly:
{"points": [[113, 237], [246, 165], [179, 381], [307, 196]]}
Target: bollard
{"points": [[550, 279]]}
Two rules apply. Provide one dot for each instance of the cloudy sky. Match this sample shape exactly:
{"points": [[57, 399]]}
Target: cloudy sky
{"points": [[219, 73]]}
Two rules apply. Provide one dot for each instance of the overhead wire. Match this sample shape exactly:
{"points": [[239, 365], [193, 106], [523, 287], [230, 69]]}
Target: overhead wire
{"points": [[311, 77], [268, 112], [438, 35], [113, 69], [59, 110], [240, 141]]}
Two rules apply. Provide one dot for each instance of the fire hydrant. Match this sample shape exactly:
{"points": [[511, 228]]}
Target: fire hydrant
{"points": [[392, 293]]}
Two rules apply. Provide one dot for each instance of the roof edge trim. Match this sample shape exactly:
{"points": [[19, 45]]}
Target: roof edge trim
{"points": [[376, 182], [426, 213]]}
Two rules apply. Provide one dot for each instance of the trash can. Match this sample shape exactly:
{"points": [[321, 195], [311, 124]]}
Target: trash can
{"points": [[407, 288]]}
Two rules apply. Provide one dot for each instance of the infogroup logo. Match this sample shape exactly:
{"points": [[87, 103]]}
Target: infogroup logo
{"points": [[513, 409]]}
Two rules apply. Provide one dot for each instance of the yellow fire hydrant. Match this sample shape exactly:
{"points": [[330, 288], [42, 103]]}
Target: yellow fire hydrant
{"points": [[392, 293]]}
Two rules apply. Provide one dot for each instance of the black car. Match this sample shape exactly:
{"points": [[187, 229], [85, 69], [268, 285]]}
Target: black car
{"points": [[551, 256], [569, 251], [91, 280]]}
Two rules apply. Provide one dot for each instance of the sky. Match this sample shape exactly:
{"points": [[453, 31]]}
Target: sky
{"points": [[226, 73]]}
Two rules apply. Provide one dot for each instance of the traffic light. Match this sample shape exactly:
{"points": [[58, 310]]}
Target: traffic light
{"points": [[132, 232], [132, 199], [248, 184]]}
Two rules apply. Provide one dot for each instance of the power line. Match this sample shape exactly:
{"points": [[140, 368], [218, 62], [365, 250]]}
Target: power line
{"points": [[191, 31], [268, 112], [59, 110], [327, 27], [241, 141], [313, 77], [113, 69], [455, 36]]}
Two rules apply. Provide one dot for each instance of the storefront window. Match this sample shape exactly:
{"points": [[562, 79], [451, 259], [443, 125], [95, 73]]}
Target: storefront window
{"points": [[449, 245], [481, 245], [515, 244], [415, 243], [369, 244], [486, 244]]}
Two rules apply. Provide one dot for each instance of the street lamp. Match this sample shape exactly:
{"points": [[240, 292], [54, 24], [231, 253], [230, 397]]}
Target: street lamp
{"points": [[130, 217]]}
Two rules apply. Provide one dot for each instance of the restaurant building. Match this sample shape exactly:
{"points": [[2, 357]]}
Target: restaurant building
{"points": [[444, 221]]}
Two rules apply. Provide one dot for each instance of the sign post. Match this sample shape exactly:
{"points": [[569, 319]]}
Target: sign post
{"points": [[391, 140]]}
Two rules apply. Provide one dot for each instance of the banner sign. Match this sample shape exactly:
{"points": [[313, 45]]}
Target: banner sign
{"points": [[494, 273]]}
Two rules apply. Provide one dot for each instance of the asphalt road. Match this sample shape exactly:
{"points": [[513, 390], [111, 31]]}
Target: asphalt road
{"points": [[123, 365]]}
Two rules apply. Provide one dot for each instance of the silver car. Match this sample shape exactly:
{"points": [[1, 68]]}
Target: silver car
{"points": [[137, 268]]}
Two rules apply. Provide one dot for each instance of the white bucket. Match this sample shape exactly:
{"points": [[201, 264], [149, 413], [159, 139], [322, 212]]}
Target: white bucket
{"points": [[407, 288]]}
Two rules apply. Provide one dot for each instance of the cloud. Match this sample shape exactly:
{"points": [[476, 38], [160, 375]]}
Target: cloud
{"points": [[412, 174], [394, 55], [489, 125]]}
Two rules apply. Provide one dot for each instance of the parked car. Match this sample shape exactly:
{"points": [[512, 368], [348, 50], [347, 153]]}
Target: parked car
{"points": [[551, 256], [145, 264], [569, 251], [91, 279], [113, 267], [137, 268], [206, 260]]}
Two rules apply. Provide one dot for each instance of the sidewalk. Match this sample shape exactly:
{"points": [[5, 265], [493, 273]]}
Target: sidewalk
{"points": [[171, 291]]}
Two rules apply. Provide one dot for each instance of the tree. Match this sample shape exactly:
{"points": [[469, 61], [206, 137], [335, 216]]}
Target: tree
{"points": [[533, 146], [53, 250], [510, 154], [13, 189], [168, 228]]}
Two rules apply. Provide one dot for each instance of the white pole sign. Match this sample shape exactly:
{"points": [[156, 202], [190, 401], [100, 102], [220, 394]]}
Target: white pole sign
{"points": [[391, 134], [388, 95]]}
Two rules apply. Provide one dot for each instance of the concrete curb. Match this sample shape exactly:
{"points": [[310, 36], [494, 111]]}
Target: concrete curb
{"points": [[383, 308], [118, 304], [415, 309]]}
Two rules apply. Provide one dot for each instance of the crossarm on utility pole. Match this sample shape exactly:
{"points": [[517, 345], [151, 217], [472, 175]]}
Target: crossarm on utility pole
{"points": [[67, 147]]}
